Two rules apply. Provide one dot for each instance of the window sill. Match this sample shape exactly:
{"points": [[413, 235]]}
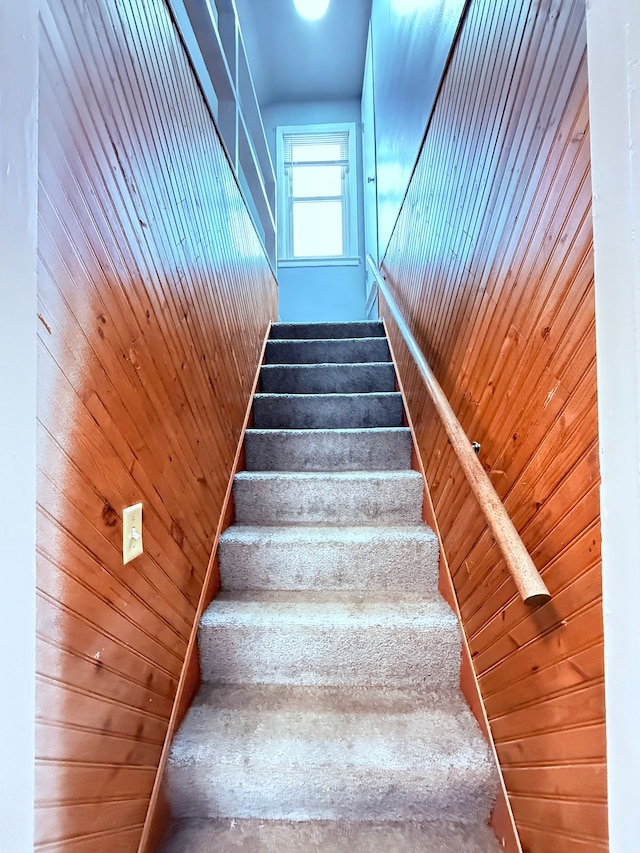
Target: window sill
{"points": [[319, 262]]}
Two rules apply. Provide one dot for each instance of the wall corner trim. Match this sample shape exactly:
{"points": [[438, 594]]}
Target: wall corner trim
{"points": [[613, 51], [19, 80]]}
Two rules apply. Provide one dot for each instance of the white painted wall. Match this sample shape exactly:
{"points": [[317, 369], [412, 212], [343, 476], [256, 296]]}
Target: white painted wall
{"points": [[18, 207], [320, 293], [613, 28], [411, 43]]}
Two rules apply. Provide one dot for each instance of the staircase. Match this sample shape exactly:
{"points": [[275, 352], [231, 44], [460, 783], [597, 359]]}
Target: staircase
{"points": [[330, 716]]}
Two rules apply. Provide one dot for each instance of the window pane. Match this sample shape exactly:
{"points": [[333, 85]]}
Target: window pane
{"points": [[313, 181], [322, 151], [317, 229]]}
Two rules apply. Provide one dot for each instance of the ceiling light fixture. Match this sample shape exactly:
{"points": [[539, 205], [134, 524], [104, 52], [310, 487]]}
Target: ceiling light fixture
{"points": [[312, 10]]}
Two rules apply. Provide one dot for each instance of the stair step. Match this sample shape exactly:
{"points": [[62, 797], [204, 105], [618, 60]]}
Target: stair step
{"points": [[327, 378], [330, 716], [329, 558], [372, 449], [340, 498], [359, 329], [327, 351], [312, 754], [259, 836], [328, 411], [329, 638]]}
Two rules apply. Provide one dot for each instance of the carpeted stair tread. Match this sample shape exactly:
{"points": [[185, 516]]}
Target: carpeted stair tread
{"points": [[327, 351], [327, 755], [332, 638], [340, 498], [371, 449], [354, 701], [348, 558], [327, 378], [259, 836], [317, 411], [356, 329], [385, 606]]}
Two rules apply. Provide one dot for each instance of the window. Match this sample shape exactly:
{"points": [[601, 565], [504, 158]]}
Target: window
{"points": [[317, 195]]}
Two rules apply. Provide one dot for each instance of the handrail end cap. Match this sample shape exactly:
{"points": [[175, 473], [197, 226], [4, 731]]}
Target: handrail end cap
{"points": [[537, 599]]}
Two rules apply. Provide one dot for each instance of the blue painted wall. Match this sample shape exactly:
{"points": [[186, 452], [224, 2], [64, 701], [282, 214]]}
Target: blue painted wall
{"points": [[411, 44], [321, 292]]}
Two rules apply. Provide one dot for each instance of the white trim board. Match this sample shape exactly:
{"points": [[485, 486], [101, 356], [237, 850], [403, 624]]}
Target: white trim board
{"points": [[613, 36], [18, 212]]}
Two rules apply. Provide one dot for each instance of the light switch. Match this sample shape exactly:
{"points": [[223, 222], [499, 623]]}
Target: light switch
{"points": [[131, 533]]}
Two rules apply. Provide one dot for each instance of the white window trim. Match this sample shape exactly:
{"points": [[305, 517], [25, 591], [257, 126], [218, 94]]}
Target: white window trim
{"points": [[351, 256]]}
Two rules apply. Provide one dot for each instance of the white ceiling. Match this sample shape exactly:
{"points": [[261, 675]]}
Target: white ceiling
{"points": [[296, 60]]}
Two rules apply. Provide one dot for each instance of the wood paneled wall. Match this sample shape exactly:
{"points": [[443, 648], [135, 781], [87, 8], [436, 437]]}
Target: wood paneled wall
{"points": [[154, 299], [491, 263]]}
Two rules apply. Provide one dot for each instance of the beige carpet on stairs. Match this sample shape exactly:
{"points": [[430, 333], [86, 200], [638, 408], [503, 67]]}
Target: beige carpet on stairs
{"points": [[330, 716]]}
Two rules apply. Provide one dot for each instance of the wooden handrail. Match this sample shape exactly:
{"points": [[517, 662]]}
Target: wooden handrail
{"points": [[527, 578]]}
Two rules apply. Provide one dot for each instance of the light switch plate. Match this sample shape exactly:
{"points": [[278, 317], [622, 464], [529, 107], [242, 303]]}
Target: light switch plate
{"points": [[131, 533]]}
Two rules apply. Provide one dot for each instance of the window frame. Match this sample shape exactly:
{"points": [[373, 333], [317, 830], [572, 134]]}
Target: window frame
{"points": [[350, 255]]}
